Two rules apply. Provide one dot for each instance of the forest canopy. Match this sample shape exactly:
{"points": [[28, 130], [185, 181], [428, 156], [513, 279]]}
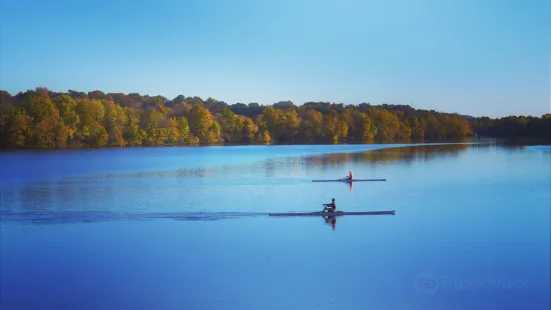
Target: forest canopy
{"points": [[46, 119]]}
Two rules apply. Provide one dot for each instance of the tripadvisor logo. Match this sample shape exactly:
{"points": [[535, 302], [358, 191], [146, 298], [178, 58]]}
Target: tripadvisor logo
{"points": [[431, 284], [426, 284]]}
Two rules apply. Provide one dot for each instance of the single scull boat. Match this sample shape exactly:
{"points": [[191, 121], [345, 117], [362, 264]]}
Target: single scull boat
{"points": [[337, 213], [353, 180]]}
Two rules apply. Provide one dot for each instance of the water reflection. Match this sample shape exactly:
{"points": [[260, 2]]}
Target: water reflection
{"points": [[200, 189], [160, 174], [36, 199], [330, 220], [269, 168], [407, 154]]}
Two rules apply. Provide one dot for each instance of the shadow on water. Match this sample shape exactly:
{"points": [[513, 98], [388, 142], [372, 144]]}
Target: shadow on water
{"points": [[520, 142]]}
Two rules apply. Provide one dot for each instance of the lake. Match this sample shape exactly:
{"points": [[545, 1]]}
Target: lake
{"points": [[187, 228]]}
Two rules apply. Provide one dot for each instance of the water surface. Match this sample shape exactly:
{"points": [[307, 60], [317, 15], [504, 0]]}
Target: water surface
{"points": [[174, 228]]}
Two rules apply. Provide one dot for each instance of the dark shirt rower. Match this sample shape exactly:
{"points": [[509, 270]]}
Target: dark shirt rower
{"points": [[331, 207]]}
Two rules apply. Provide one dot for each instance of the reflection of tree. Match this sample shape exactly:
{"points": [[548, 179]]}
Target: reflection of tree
{"points": [[269, 167], [36, 199], [406, 154]]}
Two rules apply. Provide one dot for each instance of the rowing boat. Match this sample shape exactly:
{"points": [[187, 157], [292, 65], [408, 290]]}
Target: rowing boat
{"points": [[353, 180], [337, 213]]}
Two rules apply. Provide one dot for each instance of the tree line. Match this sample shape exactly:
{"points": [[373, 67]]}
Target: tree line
{"points": [[46, 119], [514, 127]]}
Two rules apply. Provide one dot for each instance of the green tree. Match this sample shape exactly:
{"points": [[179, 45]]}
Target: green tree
{"points": [[230, 125]]}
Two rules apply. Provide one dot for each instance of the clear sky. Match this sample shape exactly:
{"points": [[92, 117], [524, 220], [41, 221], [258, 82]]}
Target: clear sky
{"points": [[477, 57]]}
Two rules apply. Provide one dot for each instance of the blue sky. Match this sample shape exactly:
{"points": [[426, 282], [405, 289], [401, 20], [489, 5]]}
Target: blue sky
{"points": [[484, 57]]}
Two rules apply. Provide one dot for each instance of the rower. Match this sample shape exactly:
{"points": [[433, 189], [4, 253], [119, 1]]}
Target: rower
{"points": [[330, 207], [349, 177]]}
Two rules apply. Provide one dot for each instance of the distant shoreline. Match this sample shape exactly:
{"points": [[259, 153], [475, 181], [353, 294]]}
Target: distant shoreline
{"points": [[42, 119]]}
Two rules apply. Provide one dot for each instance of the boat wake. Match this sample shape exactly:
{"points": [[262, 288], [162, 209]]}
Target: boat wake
{"points": [[36, 217]]}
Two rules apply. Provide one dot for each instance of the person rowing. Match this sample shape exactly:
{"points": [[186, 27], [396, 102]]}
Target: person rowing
{"points": [[349, 177], [330, 207]]}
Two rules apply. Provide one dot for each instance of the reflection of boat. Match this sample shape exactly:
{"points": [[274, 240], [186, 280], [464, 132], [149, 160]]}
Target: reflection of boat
{"points": [[337, 213], [353, 180]]}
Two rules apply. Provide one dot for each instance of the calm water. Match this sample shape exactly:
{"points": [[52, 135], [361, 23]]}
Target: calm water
{"points": [[186, 228]]}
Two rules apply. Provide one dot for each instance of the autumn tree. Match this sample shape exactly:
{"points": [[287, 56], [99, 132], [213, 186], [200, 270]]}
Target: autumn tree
{"points": [[43, 118], [67, 110], [91, 130], [203, 126], [46, 124], [115, 121]]}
